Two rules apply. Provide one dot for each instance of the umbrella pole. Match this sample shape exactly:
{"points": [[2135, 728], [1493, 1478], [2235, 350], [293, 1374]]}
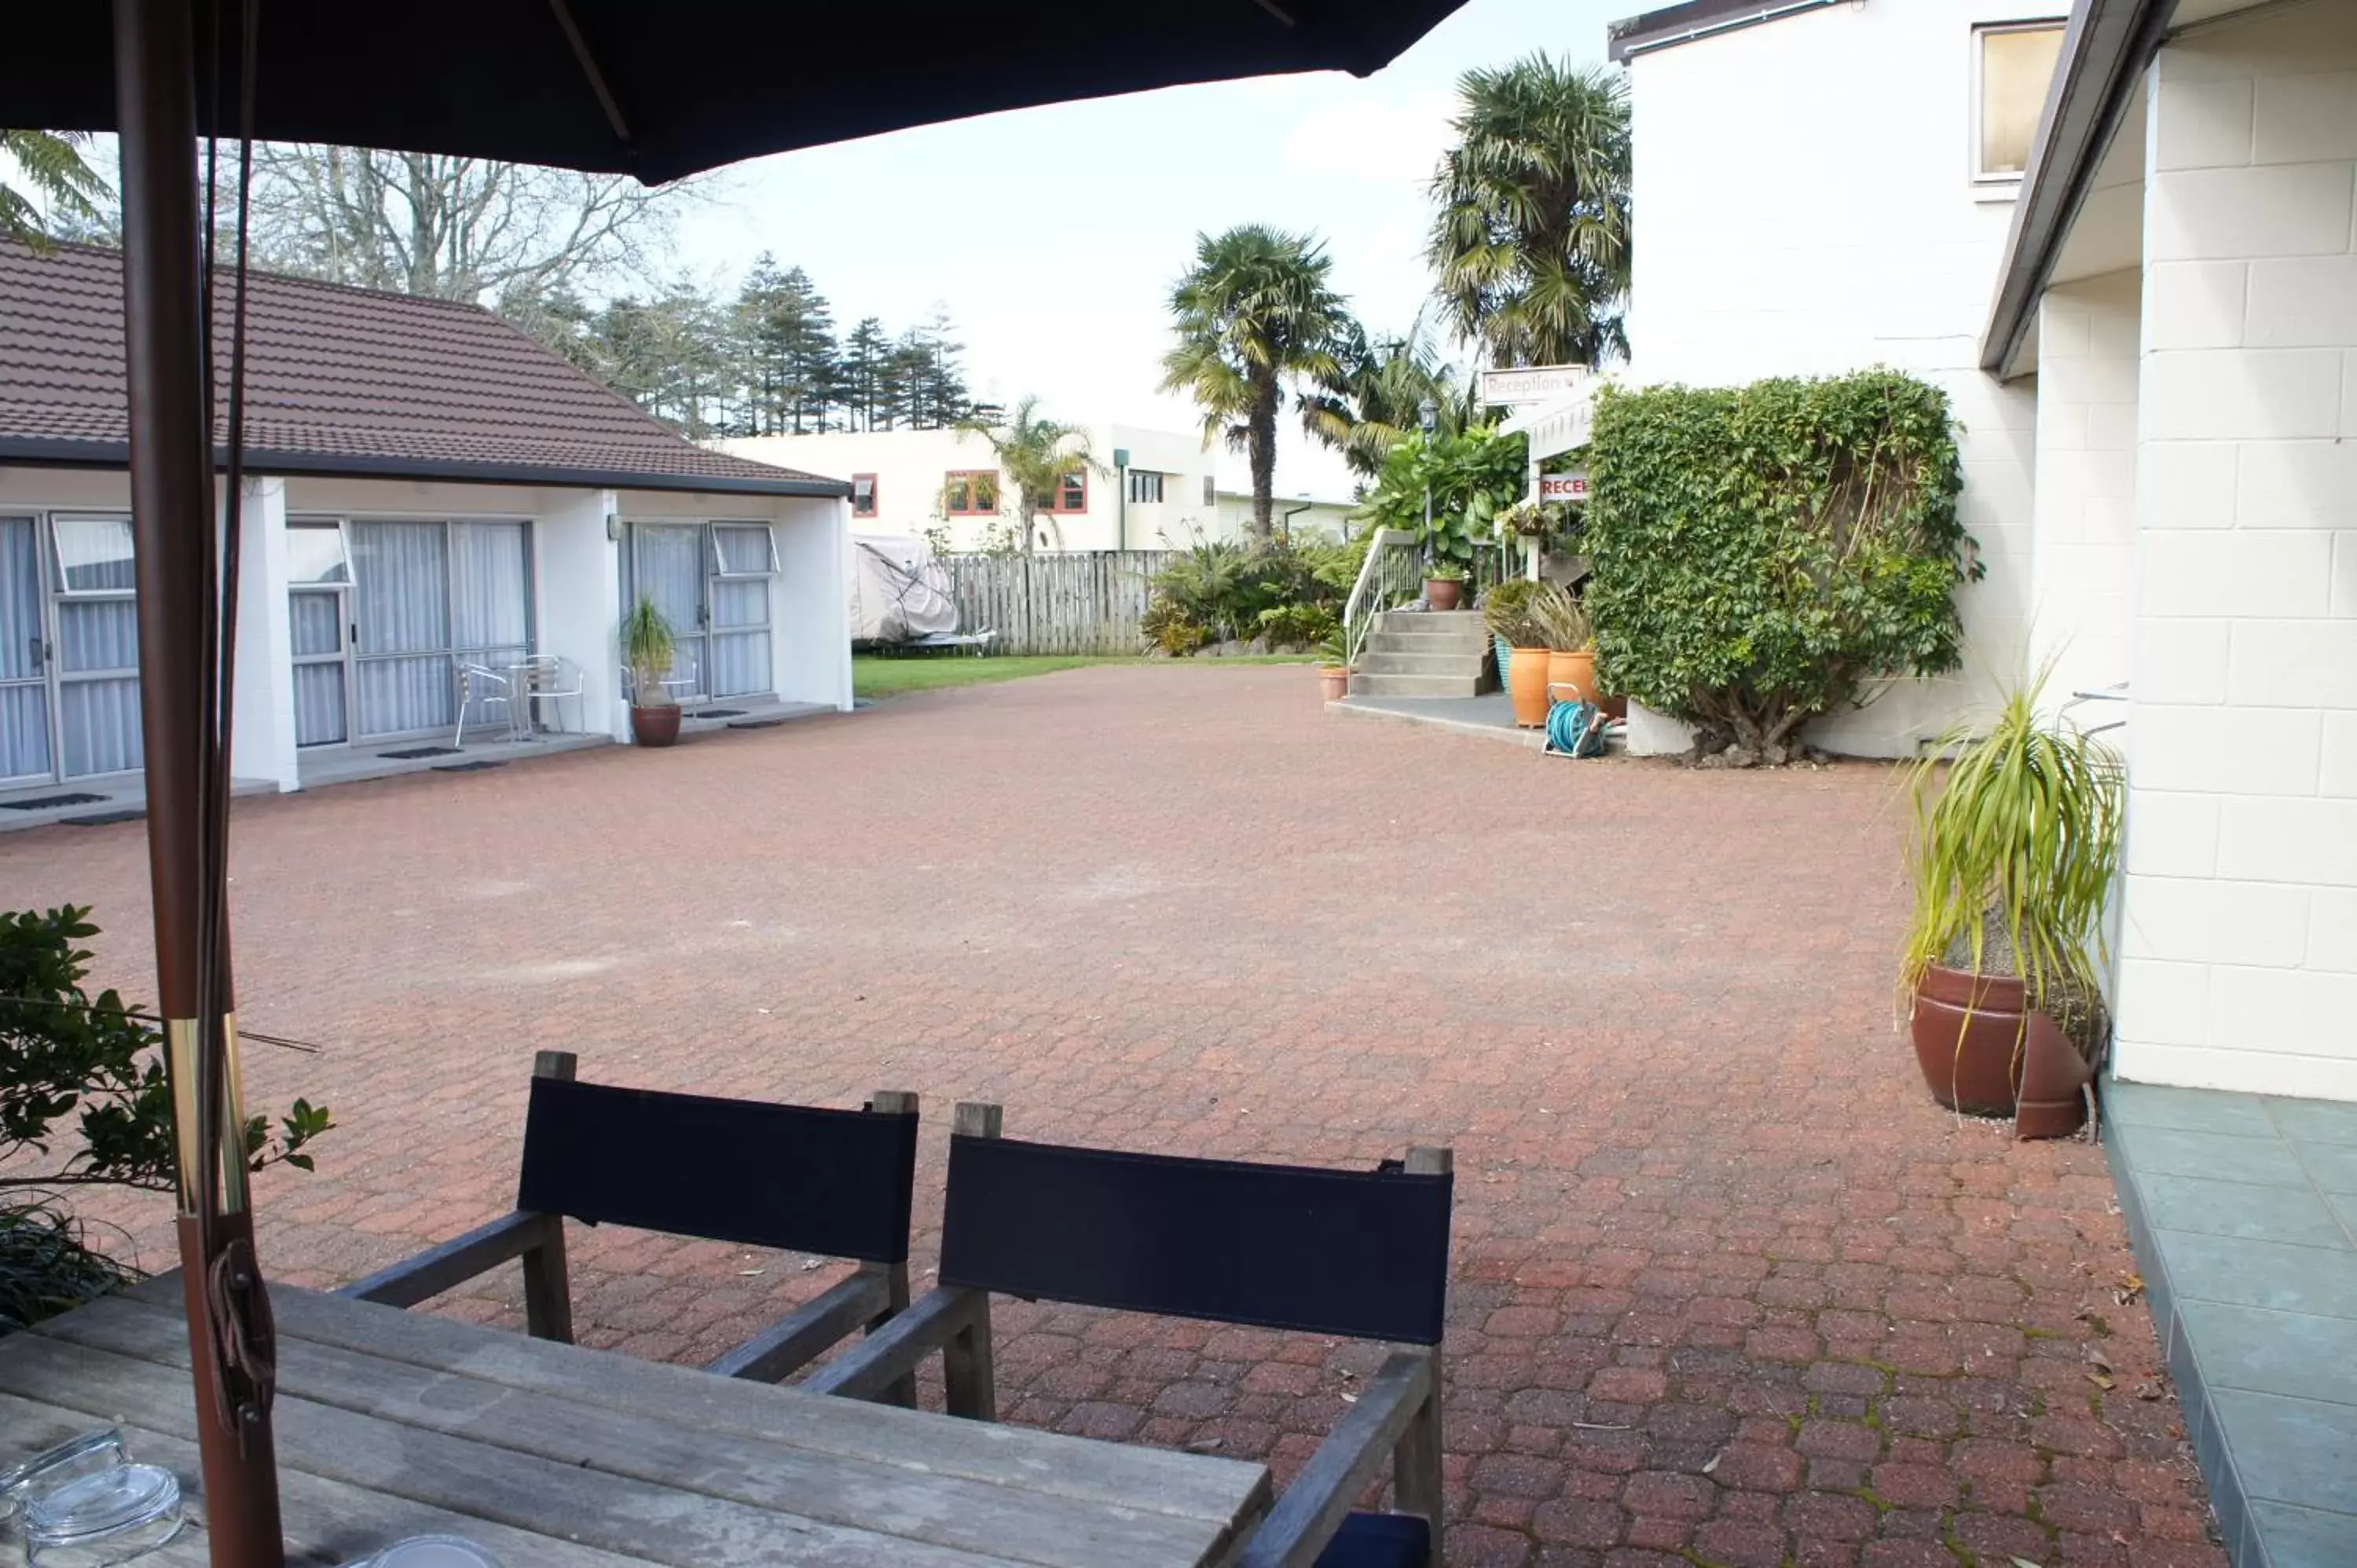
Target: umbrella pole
{"points": [[173, 525]]}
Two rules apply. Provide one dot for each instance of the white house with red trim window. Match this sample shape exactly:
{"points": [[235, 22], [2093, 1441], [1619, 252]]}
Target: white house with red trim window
{"points": [[1151, 489]]}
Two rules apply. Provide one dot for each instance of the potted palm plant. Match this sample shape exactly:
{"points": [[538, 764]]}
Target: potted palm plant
{"points": [[2012, 857], [1522, 654], [646, 647], [1334, 665], [1562, 621]]}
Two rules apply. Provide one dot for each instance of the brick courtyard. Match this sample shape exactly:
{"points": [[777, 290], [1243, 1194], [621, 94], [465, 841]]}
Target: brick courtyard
{"points": [[1729, 1288]]}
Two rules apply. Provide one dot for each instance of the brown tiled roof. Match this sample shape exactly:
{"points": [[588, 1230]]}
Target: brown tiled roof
{"points": [[345, 380]]}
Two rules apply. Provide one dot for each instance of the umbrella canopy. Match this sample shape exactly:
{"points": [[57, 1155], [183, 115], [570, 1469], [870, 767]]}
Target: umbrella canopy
{"points": [[661, 90]]}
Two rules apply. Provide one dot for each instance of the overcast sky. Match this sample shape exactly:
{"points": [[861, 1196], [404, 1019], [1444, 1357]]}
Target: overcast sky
{"points": [[1065, 295]]}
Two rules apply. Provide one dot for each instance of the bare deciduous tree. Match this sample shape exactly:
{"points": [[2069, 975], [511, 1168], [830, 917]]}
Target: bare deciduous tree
{"points": [[451, 227]]}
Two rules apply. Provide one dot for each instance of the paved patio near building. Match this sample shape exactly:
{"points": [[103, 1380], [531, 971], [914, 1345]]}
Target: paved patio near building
{"points": [[1729, 1289]]}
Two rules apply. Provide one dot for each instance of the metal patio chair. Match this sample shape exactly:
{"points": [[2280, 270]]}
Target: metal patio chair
{"points": [[1358, 1254], [555, 679], [835, 1183], [480, 686]]}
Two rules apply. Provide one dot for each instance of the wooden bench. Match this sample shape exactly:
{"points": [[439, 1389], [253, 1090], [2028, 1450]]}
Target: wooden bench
{"points": [[835, 1183]]}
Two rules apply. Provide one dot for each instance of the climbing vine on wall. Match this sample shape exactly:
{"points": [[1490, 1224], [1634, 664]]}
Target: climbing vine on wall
{"points": [[1768, 552]]}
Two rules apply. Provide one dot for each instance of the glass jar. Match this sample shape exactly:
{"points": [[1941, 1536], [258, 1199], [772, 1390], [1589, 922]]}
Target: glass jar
{"points": [[105, 1516]]}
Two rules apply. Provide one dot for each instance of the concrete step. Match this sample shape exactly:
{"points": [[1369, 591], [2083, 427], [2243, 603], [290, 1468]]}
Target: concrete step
{"points": [[1438, 636], [1386, 662], [1369, 684], [1433, 620]]}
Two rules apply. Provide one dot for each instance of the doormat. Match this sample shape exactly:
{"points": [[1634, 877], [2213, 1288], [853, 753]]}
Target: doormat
{"points": [[756, 724], [415, 752], [43, 802], [475, 766], [100, 819], [718, 713]]}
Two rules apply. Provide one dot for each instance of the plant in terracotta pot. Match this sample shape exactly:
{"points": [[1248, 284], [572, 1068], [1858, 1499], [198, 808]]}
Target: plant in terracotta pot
{"points": [[648, 647], [2015, 844], [1334, 665], [1522, 648], [1562, 621], [1444, 587]]}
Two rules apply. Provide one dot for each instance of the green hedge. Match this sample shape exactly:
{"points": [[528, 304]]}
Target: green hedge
{"points": [[1767, 552]]}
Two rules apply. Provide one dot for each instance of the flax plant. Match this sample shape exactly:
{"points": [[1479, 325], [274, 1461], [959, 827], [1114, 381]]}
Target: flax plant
{"points": [[2022, 837]]}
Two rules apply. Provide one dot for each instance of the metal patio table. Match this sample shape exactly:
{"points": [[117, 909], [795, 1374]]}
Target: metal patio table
{"points": [[393, 1424]]}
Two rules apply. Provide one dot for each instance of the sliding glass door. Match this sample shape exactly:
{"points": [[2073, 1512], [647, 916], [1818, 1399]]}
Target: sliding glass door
{"points": [[26, 756], [428, 597], [711, 581]]}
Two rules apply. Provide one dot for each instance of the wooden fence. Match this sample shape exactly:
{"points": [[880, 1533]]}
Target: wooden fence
{"points": [[1081, 601]]}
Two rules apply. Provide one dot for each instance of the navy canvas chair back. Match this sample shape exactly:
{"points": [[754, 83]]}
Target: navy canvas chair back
{"points": [[832, 1182], [1361, 1254]]}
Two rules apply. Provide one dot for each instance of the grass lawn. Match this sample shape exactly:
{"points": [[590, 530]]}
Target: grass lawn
{"points": [[874, 677]]}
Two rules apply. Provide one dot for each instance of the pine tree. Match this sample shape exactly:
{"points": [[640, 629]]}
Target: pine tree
{"points": [[865, 352]]}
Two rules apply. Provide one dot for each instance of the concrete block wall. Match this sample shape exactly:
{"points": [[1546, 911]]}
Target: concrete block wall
{"points": [[2238, 963], [2084, 529]]}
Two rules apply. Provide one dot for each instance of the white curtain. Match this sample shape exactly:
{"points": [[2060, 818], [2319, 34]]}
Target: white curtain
{"points": [[99, 717], [24, 689], [670, 568], [316, 621], [401, 604], [740, 656], [491, 607]]}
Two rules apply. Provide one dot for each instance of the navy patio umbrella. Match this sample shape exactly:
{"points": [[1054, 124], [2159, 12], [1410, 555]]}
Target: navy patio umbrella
{"points": [[622, 86]]}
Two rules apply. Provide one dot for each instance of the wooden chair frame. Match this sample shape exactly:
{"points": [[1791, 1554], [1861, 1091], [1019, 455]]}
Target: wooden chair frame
{"points": [[867, 1300], [1397, 1416]]}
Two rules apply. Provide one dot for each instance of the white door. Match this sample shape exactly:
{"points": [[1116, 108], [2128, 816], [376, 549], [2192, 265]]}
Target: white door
{"points": [[426, 598], [667, 565], [97, 666], [744, 561]]}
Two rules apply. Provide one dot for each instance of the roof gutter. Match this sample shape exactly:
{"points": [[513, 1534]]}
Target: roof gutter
{"points": [[44, 453], [1624, 47], [2105, 51]]}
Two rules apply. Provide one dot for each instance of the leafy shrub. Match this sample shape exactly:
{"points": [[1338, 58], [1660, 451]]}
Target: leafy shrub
{"points": [[1170, 629], [1472, 477], [1295, 626], [1768, 552], [1272, 589], [65, 1054]]}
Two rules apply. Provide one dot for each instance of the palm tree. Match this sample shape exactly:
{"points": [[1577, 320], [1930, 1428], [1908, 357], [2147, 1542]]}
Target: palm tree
{"points": [[1255, 313], [1531, 244], [1038, 454], [51, 166], [1376, 394]]}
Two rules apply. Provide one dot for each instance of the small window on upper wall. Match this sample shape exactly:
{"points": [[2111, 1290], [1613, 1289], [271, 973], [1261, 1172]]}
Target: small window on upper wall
{"points": [[1211, 495], [2013, 66], [1145, 486], [863, 495]]}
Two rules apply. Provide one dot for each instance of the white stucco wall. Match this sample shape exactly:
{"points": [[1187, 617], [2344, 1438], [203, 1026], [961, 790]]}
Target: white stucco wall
{"points": [[2084, 512], [2239, 965], [262, 736], [1804, 206], [911, 466]]}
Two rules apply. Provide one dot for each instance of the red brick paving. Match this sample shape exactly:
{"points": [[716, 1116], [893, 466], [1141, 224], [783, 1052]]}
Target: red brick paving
{"points": [[1729, 1288]]}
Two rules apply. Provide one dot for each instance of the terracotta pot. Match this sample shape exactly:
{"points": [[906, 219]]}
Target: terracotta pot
{"points": [[1336, 681], [1442, 593], [655, 726], [1980, 1055], [1572, 674], [1526, 683]]}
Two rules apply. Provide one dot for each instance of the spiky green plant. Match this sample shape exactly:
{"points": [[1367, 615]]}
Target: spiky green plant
{"points": [[2019, 832], [1560, 619], [648, 647]]}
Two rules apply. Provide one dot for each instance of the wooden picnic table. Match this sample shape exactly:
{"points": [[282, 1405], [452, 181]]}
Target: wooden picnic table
{"points": [[393, 1424]]}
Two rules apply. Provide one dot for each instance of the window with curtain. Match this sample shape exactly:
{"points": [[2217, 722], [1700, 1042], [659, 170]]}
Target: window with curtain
{"points": [[97, 646], [426, 597]]}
